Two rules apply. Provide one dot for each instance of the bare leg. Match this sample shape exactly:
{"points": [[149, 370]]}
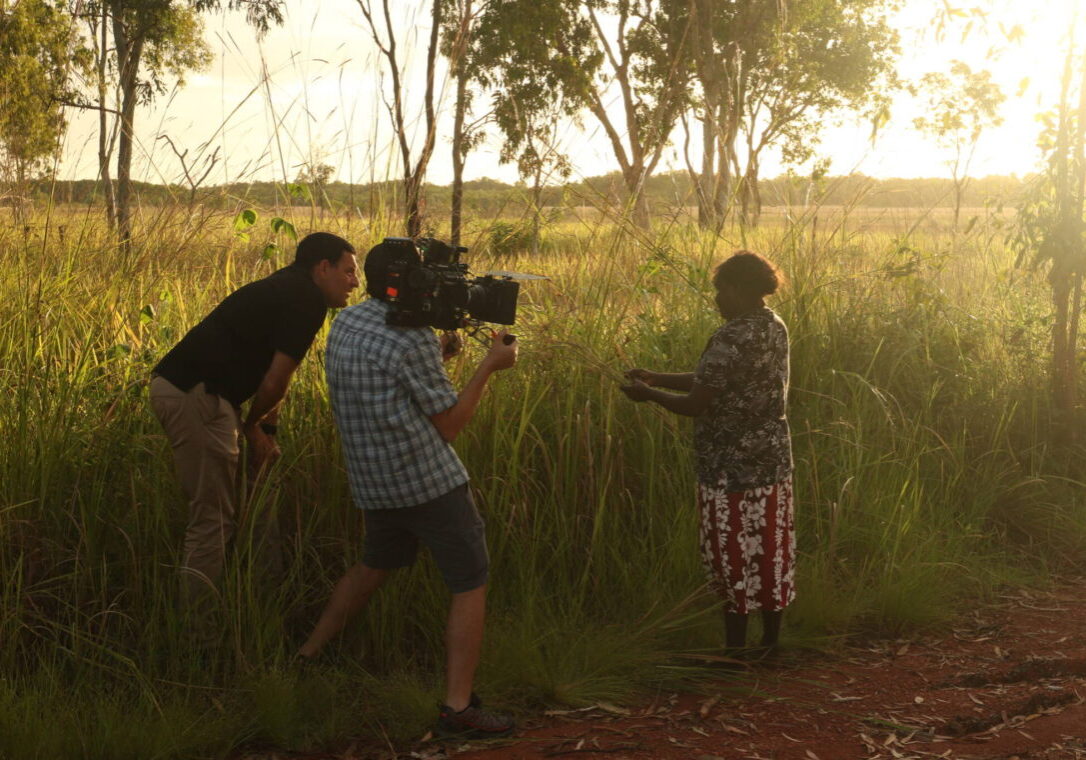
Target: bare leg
{"points": [[351, 593], [735, 630], [463, 642], [771, 627]]}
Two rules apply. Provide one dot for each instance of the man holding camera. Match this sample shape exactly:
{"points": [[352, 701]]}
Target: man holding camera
{"points": [[247, 347], [397, 414]]}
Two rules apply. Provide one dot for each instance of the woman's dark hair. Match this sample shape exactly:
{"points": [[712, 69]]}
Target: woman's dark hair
{"points": [[319, 246], [748, 273]]}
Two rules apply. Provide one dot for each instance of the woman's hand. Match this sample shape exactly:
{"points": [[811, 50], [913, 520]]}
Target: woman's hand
{"points": [[636, 390], [643, 375]]}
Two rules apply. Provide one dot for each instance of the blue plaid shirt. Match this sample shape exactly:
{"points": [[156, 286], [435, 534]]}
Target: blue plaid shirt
{"points": [[385, 383]]}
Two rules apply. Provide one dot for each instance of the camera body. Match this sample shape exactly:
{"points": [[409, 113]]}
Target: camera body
{"points": [[428, 286]]}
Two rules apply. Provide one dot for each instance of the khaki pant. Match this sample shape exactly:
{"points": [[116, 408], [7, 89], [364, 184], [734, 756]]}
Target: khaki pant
{"points": [[203, 431]]}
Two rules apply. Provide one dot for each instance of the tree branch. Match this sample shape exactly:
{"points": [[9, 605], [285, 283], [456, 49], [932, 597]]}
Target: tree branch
{"points": [[87, 106]]}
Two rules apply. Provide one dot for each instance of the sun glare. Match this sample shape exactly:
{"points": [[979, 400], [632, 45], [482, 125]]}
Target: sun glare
{"points": [[1022, 46]]}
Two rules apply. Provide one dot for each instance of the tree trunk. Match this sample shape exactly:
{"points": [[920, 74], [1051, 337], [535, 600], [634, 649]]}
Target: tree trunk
{"points": [[21, 203], [744, 202], [726, 132], [537, 207], [456, 213], [750, 195], [415, 177], [1066, 273], [637, 204], [755, 193], [959, 191], [1063, 350], [129, 52], [711, 76], [124, 165], [458, 152], [723, 181], [707, 216], [412, 205], [105, 135]]}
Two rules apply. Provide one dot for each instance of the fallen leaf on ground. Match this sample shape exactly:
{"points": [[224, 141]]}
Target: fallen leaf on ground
{"points": [[614, 710]]}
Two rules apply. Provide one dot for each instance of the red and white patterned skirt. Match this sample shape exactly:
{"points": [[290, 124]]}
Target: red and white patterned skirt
{"points": [[748, 545]]}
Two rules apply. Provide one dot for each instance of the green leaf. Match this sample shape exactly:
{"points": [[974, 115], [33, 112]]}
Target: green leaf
{"points": [[278, 224], [147, 314], [881, 118], [119, 351], [271, 251], [244, 221]]}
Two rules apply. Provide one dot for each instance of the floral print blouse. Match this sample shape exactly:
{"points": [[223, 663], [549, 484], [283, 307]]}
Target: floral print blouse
{"points": [[742, 441]]}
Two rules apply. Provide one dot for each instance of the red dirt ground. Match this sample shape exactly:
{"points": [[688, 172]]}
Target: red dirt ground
{"points": [[1007, 681]]}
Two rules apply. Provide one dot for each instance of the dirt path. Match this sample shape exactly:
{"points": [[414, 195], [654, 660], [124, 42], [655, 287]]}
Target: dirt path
{"points": [[1005, 682]]}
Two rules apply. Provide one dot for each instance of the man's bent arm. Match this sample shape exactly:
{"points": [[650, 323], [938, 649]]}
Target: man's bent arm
{"points": [[450, 422], [272, 389]]}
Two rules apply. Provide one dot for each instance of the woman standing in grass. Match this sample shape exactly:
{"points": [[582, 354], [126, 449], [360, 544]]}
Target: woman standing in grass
{"points": [[737, 396]]}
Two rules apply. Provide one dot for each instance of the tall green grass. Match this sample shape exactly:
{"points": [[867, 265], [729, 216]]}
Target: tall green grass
{"points": [[924, 480]]}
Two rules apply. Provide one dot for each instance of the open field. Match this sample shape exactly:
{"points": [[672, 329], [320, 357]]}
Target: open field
{"points": [[999, 680], [892, 219], [925, 476]]}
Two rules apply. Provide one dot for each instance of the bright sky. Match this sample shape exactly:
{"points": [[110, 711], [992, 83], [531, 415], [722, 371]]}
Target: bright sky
{"points": [[308, 93]]}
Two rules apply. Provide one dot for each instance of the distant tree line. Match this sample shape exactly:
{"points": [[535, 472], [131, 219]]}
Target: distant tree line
{"points": [[491, 198], [734, 79]]}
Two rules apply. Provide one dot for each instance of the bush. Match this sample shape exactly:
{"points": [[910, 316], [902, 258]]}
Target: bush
{"points": [[505, 239]]}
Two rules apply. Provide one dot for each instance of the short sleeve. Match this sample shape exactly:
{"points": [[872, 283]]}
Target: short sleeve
{"points": [[425, 377], [295, 327], [719, 360]]}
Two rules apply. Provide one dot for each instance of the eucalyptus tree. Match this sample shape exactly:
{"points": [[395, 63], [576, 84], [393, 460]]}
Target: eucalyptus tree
{"points": [[773, 73], [40, 58], [383, 30], [530, 80], [716, 59], [1051, 228], [645, 45], [959, 107], [459, 27], [153, 41], [622, 61]]}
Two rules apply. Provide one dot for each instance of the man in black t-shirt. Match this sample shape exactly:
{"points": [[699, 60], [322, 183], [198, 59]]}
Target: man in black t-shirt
{"points": [[247, 347]]}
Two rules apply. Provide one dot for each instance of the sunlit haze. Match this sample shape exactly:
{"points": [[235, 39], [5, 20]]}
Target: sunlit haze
{"points": [[308, 93]]}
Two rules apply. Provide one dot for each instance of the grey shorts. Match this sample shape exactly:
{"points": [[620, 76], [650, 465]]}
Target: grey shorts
{"points": [[449, 526]]}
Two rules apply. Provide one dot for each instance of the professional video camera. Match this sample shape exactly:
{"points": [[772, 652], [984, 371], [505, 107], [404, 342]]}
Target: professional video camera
{"points": [[428, 286]]}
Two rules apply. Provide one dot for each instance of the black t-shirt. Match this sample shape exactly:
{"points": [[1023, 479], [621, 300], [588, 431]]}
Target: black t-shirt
{"points": [[231, 349]]}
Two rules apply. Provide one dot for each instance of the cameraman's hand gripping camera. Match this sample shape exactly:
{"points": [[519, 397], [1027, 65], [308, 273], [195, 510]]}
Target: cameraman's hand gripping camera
{"points": [[428, 286]]}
